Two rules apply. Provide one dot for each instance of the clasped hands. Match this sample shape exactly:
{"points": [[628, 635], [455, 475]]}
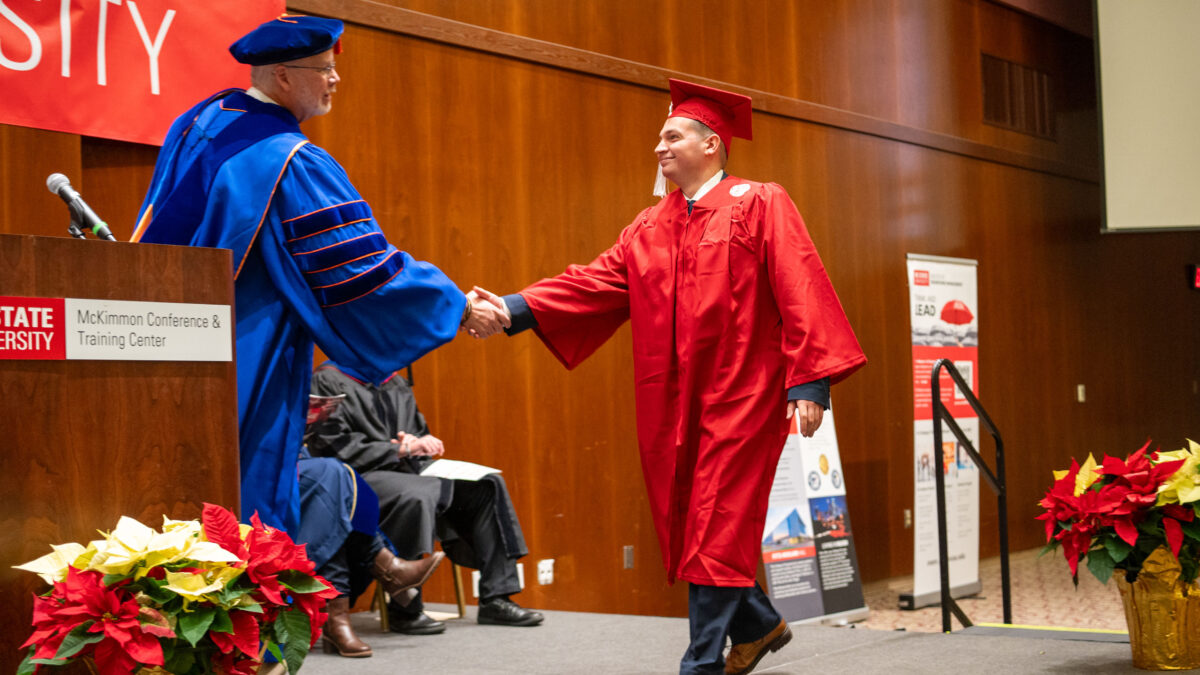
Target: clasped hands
{"points": [[419, 446], [489, 315]]}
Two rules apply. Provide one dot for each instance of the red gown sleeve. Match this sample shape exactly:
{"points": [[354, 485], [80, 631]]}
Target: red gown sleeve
{"points": [[578, 310], [817, 338]]}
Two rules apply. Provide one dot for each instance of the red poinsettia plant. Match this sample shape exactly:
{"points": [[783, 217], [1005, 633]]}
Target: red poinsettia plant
{"points": [[1116, 513], [196, 598]]}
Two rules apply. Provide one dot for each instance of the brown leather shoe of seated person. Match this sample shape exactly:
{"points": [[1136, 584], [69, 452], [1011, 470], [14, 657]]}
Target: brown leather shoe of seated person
{"points": [[398, 575], [743, 657], [337, 636]]}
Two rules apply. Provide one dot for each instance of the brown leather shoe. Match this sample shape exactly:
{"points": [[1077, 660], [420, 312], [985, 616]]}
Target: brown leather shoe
{"points": [[337, 636], [398, 575], [743, 657]]}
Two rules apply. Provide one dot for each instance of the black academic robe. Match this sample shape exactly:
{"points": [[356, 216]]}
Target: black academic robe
{"points": [[359, 433]]}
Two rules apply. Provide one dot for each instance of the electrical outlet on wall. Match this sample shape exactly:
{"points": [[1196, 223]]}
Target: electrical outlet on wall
{"points": [[545, 571]]}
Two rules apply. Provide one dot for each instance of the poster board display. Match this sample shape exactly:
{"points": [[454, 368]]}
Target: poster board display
{"points": [[944, 310], [808, 544]]}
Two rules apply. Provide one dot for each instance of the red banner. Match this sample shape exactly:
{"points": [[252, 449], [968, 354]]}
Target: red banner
{"points": [[121, 69]]}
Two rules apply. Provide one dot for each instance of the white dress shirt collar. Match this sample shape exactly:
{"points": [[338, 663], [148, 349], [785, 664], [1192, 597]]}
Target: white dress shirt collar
{"points": [[256, 93], [710, 184]]}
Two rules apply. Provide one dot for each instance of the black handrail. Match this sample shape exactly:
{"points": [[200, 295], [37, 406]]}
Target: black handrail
{"points": [[996, 481]]}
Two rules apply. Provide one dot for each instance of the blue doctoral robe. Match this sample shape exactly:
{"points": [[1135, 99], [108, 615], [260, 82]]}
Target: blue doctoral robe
{"points": [[334, 501], [310, 265]]}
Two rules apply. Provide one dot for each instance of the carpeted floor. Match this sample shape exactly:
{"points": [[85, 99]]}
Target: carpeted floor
{"points": [[1042, 595], [574, 643], [890, 641]]}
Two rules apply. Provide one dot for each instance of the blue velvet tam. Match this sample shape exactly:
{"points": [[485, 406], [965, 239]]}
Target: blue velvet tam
{"points": [[286, 39]]}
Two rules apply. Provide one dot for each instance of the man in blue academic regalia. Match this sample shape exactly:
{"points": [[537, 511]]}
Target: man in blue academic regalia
{"points": [[310, 262]]}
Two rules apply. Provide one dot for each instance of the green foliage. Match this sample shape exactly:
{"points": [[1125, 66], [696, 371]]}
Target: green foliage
{"points": [[110, 579], [1100, 563], [1191, 530], [221, 621], [248, 605], [1117, 549], [233, 593], [299, 582], [293, 627], [157, 591], [177, 657], [76, 640], [193, 625], [27, 666]]}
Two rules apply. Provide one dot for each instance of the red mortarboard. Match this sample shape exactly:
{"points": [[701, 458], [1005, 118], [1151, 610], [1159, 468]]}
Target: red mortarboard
{"points": [[726, 113]]}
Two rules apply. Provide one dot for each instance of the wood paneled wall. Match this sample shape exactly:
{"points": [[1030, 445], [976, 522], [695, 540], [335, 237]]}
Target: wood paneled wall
{"points": [[519, 140], [910, 62]]}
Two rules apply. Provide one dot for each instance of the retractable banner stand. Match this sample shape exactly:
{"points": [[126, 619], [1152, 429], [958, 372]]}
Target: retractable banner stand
{"points": [[808, 545], [944, 309]]}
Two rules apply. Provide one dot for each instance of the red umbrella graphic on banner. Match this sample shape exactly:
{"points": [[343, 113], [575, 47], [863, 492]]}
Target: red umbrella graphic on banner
{"points": [[956, 312]]}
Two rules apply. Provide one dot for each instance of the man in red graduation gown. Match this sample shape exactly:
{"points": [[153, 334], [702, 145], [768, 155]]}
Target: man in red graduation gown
{"points": [[736, 327]]}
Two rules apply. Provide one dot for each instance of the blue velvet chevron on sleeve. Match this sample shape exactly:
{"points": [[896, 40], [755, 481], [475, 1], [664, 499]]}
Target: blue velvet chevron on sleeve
{"points": [[330, 242], [367, 304]]}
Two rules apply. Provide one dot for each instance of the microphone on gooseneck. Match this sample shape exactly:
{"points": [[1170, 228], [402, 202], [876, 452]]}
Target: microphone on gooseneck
{"points": [[82, 215]]}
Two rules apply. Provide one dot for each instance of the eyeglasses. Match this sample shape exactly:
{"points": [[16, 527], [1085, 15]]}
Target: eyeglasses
{"points": [[323, 70]]}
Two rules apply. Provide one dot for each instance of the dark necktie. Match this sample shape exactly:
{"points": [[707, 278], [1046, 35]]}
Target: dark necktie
{"points": [[690, 202]]}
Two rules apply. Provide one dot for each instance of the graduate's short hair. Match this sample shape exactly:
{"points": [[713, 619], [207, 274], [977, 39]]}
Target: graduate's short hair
{"points": [[705, 131]]}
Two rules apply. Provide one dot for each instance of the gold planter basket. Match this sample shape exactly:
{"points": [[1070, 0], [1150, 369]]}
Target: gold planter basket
{"points": [[1163, 615]]}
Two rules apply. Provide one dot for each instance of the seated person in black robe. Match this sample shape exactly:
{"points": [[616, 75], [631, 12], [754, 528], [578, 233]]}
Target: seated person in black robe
{"points": [[339, 525], [381, 434]]}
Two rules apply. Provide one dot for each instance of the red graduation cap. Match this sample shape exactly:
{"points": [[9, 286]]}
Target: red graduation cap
{"points": [[726, 113]]}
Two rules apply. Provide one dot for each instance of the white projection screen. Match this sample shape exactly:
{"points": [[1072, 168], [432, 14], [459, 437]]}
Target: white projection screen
{"points": [[1148, 57]]}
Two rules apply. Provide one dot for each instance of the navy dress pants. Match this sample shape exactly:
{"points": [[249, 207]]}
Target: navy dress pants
{"points": [[743, 614]]}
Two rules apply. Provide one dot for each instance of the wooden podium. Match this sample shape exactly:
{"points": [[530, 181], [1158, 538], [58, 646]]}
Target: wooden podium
{"points": [[85, 442]]}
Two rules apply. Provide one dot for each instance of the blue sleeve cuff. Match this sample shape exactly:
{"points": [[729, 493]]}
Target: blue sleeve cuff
{"points": [[816, 391], [522, 316]]}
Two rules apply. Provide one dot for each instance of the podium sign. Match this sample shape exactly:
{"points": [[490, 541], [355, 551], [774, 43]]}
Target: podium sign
{"points": [[113, 330]]}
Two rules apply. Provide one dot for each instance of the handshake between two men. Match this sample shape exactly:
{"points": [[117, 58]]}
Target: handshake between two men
{"points": [[486, 314]]}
